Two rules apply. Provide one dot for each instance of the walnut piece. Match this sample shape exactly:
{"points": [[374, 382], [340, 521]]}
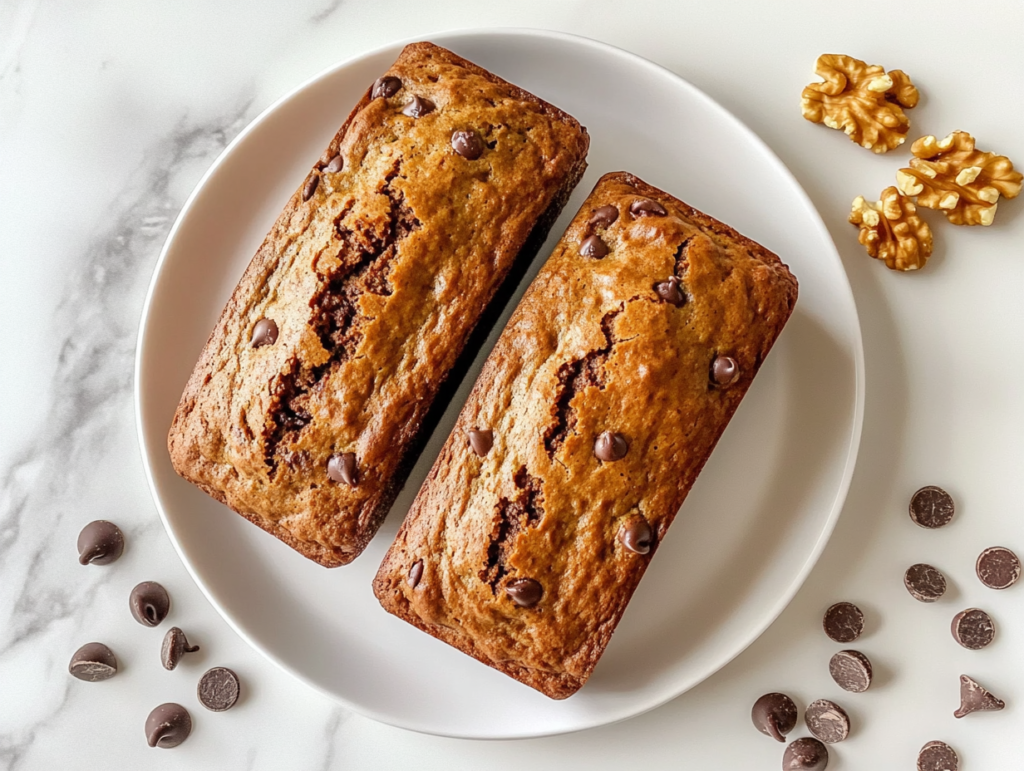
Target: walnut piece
{"points": [[864, 101], [891, 230], [952, 176]]}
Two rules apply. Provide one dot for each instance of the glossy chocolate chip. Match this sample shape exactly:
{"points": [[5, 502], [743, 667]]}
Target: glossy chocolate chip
{"points": [[932, 507], [843, 622], [174, 647], [481, 440], [827, 721], [603, 216], [924, 582], [468, 144], [264, 333], [524, 592], [93, 662], [636, 534], [937, 756], [310, 187], [594, 247], [149, 603], [385, 87], [415, 574], [336, 164], [343, 470], [100, 543], [973, 629], [805, 754], [851, 670], [418, 106], [669, 291], [976, 698], [998, 568], [725, 371], [645, 207], [774, 715], [168, 726], [610, 446], [218, 689]]}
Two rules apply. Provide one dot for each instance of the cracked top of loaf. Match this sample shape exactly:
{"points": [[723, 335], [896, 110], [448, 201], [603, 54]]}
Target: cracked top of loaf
{"points": [[604, 396], [373, 275]]}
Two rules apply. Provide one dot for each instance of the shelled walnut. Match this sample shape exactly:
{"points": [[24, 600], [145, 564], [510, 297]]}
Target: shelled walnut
{"points": [[890, 230], [960, 181], [862, 100]]}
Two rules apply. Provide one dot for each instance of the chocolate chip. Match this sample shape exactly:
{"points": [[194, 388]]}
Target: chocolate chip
{"points": [[218, 689], [415, 574], [100, 543], [149, 603], [93, 662], [175, 646], [931, 507], [385, 87], [168, 726], [973, 629], [645, 207], [603, 216], [342, 469], [669, 291], [975, 698], [937, 756], [610, 446], [774, 715], [336, 164], [827, 721], [636, 534], [805, 755], [264, 333], [594, 247], [418, 107], [998, 568], [310, 187], [468, 144], [924, 582], [843, 622], [851, 670], [725, 371], [524, 592], [481, 440]]}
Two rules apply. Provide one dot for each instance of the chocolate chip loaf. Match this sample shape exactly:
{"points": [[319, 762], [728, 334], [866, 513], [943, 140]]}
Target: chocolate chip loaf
{"points": [[307, 406], [589, 423]]}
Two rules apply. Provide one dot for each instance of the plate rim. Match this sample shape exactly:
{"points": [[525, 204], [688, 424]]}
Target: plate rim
{"points": [[857, 343]]}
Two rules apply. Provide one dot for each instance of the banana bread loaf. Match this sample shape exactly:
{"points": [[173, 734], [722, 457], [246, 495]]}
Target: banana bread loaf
{"points": [[306, 408], [589, 423]]}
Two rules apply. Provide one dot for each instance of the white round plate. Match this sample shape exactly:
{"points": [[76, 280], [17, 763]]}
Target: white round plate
{"points": [[754, 524]]}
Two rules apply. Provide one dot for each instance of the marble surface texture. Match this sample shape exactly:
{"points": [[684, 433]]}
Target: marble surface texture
{"points": [[111, 110]]}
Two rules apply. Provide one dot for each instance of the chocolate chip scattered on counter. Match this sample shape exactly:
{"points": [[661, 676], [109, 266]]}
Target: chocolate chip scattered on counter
{"points": [[724, 371], [168, 726], [998, 568], [93, 662], [264, 333], [603, 216], [610, 446], [937, 756], [976, 698], [174, 647], [100, 543], [851, 670], [336, 164], [149, 603], [594, 247], [805, 754], [385, 87], [645, 207], [827, 721], [973, 629], [636, 534], [774, 715], [415, 574], [481, 440], [669, 291], [524, 592], [342, 469], [843, 622], [468, 144], [218, 689], [931, 507], [924, 582], [310, 187], [418, 106]]}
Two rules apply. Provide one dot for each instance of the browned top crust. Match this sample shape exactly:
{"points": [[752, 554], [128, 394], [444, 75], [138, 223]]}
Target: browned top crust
{"points": [[374, 283], [591, 348]]}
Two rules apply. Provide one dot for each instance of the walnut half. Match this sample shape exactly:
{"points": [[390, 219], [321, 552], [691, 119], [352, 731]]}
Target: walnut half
{"points": [[862, 100], [891, 230], [960, 181]]}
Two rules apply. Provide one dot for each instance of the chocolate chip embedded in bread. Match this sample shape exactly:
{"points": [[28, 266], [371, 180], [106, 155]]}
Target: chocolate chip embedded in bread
{"points": [[524, 592], [415, 574], [645, 207], [669, 291], [218, 689], [603, 216], [998, 568], [100, 543], [805, 754], [774, 715], [610, 446], [481, 440], [149, 603], [336, 164], [310, 187], [937, 756], [636, 534], [174, 647], [264, 333], [594, 247], [976, 698], [725, 371], [843, 622], [385, 87], [468, 144], [924, 582], [932, 507], [93, 662], [827, 721], [973, 629], [418, 106], [851, 670], [168, 726], [343, 470]]}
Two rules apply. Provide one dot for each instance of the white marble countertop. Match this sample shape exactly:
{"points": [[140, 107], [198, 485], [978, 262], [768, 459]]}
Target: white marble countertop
{"points": [[111, 110]]}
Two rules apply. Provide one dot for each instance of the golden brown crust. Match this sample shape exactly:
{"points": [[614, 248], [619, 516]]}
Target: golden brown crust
{"points": [[592, 347], [375, 283]]}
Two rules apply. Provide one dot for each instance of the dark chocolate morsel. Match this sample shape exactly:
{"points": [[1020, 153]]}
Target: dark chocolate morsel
{"points": [[415, 574], [468, 144], [610, 446], [851, 670], [149, 603], [594, 247], [669, 291], [774, 715], [418, 106], [218, 689], [843, 622], [385, 87], [264, 333], [168, 726], [310, 187], [343, 470], [827, 721], [931, 507], [93, 662], [937, 756], [336, 164], [100, 543], [805, 754], [924, 582], [636, 534], [645, 207], [481, 440], [603, 216], [976, 698], [524, 592], [998, 568], [724, 371], [973, 629], [175, 646]]}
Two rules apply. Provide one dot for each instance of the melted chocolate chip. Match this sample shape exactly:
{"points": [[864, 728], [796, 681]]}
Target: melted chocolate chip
{"points": [[931, 507], [924, 582], [636, 534], [851, 670], [805, 755], [937, 756], [168, 726], [175, 646], [603, 216], [218, 689], [149, 603], [610, 446], [843, 622], [724, 371], [481, 440], [264, 333], [100, 543], [385, 87], [594, 247], [343, 470], [524, 592], [415, 574], [93, 662], [827, 721], [468, 144], [998, 568], [973, 629], [975, 698], [336, 164], [774, 715], [418, 106], [669, 291], [645, 207], [310, 187]]}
